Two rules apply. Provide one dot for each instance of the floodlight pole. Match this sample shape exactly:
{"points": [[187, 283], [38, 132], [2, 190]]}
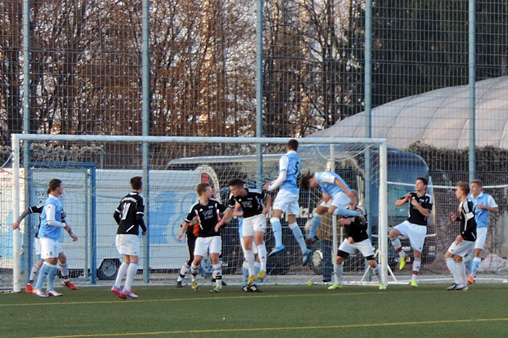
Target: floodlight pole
{"points": [[472, 91], [259, 90], [146, 131]]}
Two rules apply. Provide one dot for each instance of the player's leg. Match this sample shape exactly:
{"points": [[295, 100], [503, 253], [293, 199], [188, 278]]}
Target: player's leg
{"points": [[481, 233], [259, 227], [452, 266], [35, 268], [56, 248], [461, 269], [317, 216], [64, 271], [416, 235], [297, 233], [191, 244], [215, 251], [199, 252], [259, 235], [277, 231], [120, 275], [339, 204], [365, 247], [397, 246], [131, 273], [338, 270]]}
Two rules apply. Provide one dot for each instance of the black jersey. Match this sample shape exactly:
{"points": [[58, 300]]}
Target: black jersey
{"points": [[416, 216], [129, 214], [252, 203], [208, 217], [467, 221], [358, 227]]}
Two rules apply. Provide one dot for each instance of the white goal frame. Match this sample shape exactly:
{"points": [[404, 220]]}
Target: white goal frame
{"points": [[16, 140]]}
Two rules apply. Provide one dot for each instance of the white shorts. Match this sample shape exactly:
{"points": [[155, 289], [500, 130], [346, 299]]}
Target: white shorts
{"points": [[462, 249], [50, 248], [287, 201], [481, 236], [254, 246], [252, 224], [38, 248], [340, 200], [128, 244], [416, 234], [208, 244], [365, 247]]}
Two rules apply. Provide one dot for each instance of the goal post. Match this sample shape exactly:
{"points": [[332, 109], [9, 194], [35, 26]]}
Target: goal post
{"points": [[176, 165]]}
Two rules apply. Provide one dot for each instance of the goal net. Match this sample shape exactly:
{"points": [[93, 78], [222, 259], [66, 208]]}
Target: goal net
{"points": [[95, 171]]}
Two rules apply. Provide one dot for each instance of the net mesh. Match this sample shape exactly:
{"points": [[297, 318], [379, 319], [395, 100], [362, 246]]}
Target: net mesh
{"points": [[96, 176]]}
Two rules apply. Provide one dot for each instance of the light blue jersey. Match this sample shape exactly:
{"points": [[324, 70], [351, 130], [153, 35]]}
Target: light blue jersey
{"points": [[47, 231], [482, 215], [292, 164], [326, 183]]}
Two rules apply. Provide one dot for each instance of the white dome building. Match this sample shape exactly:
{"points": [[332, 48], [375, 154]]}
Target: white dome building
{"points": [[439, 118]]}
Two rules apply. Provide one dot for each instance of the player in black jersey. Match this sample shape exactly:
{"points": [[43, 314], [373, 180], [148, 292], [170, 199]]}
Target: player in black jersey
{"points": [[357, 238], [465, 241], [415, 227], [129, 217], [207, 210], [255, 205], [62, 259]]}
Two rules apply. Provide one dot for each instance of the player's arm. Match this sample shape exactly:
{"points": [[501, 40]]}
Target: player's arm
{"points": [[140, 213], [283, 165], [69, 231], [424, 211], [268, 204], [343, 186], [184, 226], [228, 215], [50, 210], [31, 210], [491, 205], [403, 200], [117, 215]]}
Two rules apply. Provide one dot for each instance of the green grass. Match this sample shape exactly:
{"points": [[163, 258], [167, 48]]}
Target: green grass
{"points": [[279, 311]]}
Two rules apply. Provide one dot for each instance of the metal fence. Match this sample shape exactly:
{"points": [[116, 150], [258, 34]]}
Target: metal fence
{"points": [[430, 74]]}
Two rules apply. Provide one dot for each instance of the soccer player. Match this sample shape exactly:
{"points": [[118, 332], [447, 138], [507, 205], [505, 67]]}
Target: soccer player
{"points": [[49, 234], [62, 259], [356, 238], [209, 240], [483, 204], [415, 227], [287, 200], [129, 217], [465, 242], [254, 223], [332, 184]]}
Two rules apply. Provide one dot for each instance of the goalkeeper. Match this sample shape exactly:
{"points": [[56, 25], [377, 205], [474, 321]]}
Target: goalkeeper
{"points": [[357, 238]]}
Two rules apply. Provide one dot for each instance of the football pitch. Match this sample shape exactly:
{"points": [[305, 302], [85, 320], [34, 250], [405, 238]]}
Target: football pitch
{"points": [[279, 311]]}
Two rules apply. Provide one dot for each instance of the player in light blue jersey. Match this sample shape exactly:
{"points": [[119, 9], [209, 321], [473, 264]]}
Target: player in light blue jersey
{"points": [[49, 234], [332, 184], [483, 204], [287, 200]]}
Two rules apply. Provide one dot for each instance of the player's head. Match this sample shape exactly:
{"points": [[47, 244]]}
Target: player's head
{"points": [[237, 187], [476, 187], [137, 183], [462, 189], [204, 189], [55, 187], [309, 181], [354, 197], [292, 145], [421, 184]]}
